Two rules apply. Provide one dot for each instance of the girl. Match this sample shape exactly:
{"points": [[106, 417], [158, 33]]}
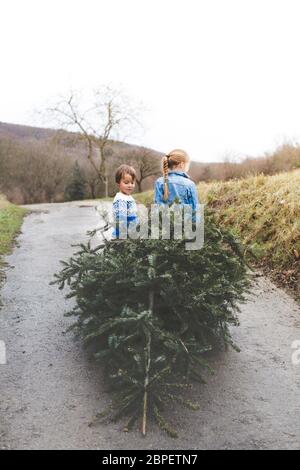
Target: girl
{"points": [[124, 206], [175, 182]]}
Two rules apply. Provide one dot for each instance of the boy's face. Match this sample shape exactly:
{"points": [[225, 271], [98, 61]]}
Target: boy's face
{"points": [[126, 184]]}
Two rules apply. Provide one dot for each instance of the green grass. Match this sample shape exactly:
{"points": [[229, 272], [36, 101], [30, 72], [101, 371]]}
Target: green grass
{"points": [[11, 218]]}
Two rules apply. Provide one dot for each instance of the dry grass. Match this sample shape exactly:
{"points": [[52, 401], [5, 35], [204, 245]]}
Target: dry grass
{"points": [[264, 212], [3, 202]]}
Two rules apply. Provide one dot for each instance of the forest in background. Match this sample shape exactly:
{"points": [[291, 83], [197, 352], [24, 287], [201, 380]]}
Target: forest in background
{"points": [[47, 165]]}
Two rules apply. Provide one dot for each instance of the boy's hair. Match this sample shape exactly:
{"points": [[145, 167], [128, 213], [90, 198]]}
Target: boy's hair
{"points": [[170, 161], [124, 170]]}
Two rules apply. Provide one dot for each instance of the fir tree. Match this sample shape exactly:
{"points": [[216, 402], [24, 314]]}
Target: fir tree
{"points": [[152, 310], [76, 187]]}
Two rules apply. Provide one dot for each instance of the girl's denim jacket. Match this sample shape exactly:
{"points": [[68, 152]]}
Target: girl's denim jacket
{"points": [[180, 186]]}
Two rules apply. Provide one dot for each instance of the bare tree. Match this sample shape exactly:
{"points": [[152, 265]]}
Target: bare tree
{"points": [[92, 182], [145, 161], [111, 112], [148, 165]]}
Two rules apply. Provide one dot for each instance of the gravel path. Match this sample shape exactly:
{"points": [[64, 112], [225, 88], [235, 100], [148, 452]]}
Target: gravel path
{"points": [[50, 390]]}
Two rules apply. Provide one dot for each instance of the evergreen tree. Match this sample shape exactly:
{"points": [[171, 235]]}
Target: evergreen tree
{"points": [[76, 187], [152, 310]]}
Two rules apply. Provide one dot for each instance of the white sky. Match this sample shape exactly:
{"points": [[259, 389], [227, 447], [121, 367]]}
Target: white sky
{"points": [[218, 76]]}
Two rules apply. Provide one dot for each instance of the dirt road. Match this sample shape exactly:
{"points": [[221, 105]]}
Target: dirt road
{"points": [[50, 390]]}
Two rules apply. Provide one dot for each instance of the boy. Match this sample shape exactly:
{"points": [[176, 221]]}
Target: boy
{"points": [[124, 206]]}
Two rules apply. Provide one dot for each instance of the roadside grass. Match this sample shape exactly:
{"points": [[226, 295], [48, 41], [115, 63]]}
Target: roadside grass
{"points": [[11, 218], [264, 213]]}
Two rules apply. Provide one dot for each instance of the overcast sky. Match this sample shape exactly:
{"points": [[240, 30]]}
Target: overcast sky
{"points": [[219, 77]]}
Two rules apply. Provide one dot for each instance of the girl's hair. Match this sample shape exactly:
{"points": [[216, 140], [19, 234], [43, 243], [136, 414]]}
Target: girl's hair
{"points": [[124, 170], [170, 161]]}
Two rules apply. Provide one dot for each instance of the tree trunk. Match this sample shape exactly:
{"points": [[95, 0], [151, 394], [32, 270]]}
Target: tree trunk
{"points": [[106, 186]]}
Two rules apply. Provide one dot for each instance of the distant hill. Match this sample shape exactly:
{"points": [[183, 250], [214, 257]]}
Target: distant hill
{"points": [[74, 148], [29, 133], [17, 131], [285, 158], [25, 179]]}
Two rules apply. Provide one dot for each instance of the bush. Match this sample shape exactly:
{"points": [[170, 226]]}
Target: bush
{"points": [[76, 188]]}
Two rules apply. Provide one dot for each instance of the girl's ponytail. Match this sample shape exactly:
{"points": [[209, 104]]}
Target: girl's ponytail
{"points": [[166, 177], [170, 161]]}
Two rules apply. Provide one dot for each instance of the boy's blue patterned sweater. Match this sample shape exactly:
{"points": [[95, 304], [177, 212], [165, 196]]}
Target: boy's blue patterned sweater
{"points": [[124, 212]]}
